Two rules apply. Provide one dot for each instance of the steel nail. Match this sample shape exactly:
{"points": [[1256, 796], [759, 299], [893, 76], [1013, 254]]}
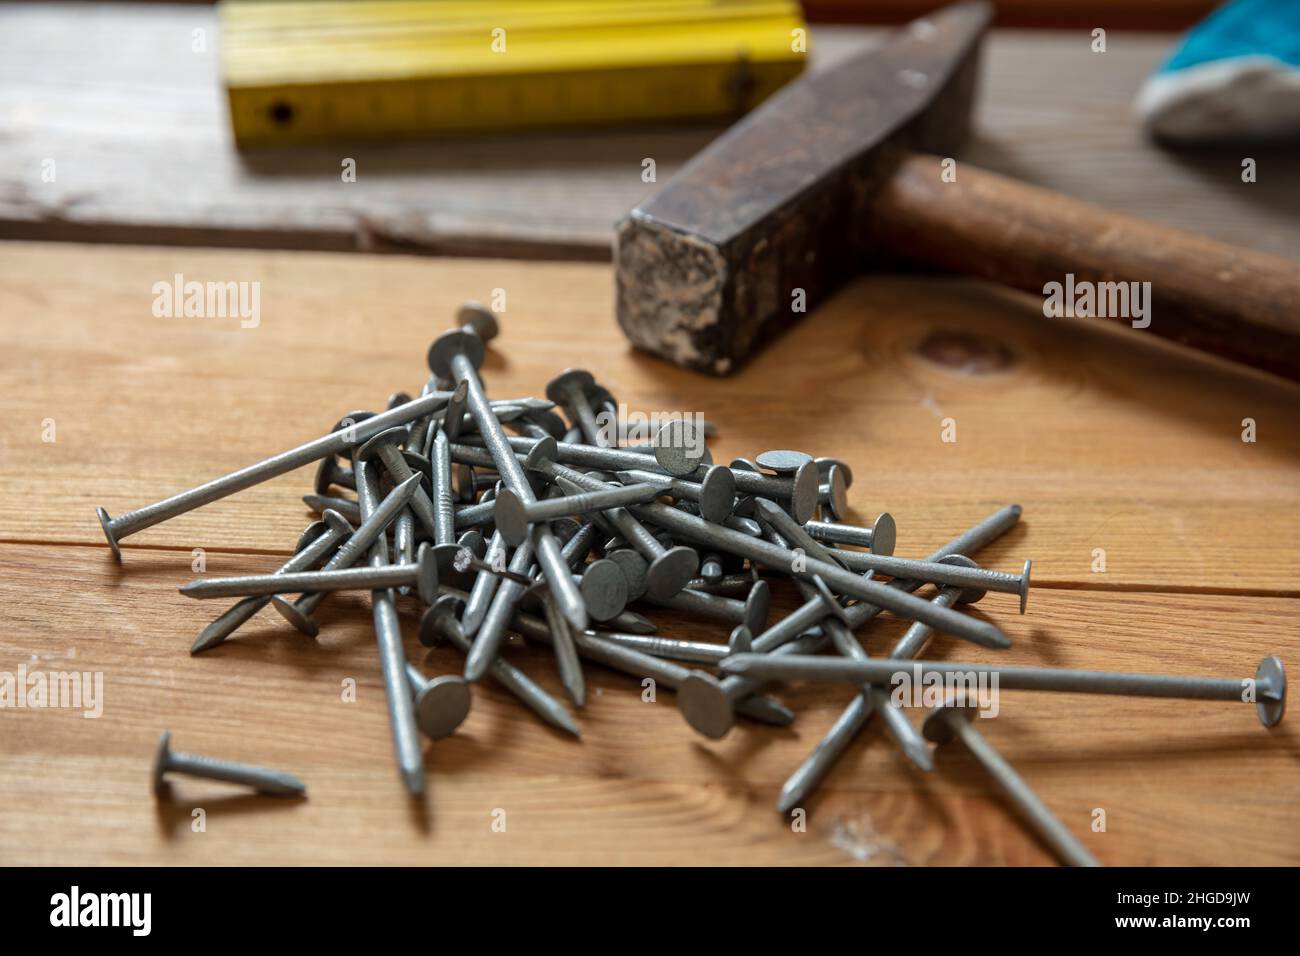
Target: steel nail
{"points": [[473, 542], [698, 652], [460, 354], [352, 550], [387, 448], [579, 544], [968, 542], [800, 784], [670, 568], [880, 537], [330, 472], [782, 461], [344, 506], [821, 604], [729, 585], [604, 588], [909, 645], [899, 727], [453, 420], [710, 705], [329, 532], [938, 572], [741, 641], [441, 704], [765, 553], [492, 632], [349, 424], [476, 515], [466, 560], [566, 653], [485, 585], [664, 672], [680, 448], [800, 489], [418, 431], [789, 534], [952, 720], [744, 525], [1267, 689], [542, 424], [569, 389], [632, 623], [634, 568], [905, 735], [515, 517], [115, 529], [750, 613], [824, 466], [584, 456], [444, 515], [715, 494], [474, 316], [439, 622], [422, 573], [833, 494], [274, 783], [404, 540], [388, 636]]}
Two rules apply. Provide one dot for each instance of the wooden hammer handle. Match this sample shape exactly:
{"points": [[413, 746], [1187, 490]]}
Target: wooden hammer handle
{"points": [[1236, 303]]}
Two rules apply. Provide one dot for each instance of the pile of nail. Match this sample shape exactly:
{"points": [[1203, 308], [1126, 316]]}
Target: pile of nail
{"points": [[537, 518]]}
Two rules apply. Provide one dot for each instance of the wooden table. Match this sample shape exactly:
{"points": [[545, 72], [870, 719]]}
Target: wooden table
{"points": [[135, 122], [1111, 441]]}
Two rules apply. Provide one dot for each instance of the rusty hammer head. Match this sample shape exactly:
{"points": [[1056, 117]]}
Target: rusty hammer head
{"points": [[775, 214]]}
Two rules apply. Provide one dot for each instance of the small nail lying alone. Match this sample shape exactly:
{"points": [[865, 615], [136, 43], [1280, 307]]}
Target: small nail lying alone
{"points": [[270, 782]]}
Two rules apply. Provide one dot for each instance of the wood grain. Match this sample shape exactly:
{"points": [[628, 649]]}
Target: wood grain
{"points": [[1108, 439], [136, 124], [1181, 783]]}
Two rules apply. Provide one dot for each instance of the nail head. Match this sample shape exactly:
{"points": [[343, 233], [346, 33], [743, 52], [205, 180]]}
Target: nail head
{"points": [[938, 727], [160, 760], [884, 534], [705, 705], [782, 461], [1271, 675], [679, 450], [442, 705], [451, 343], [604, 588], [480, 318], [671, 571], [807, 490], [104, 520], [717, 494]]}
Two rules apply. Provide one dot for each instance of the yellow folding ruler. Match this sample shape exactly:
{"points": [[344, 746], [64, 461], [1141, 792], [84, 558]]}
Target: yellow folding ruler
{"points": [[308, 72]]}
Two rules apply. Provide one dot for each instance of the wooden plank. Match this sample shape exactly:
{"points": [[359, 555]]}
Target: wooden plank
{"points": [[135, 122], [1112, 442], [1111, 14], [1181, 783]]}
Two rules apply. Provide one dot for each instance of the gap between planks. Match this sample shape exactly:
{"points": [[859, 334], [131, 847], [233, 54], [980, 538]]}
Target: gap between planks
{"points": [[1133, 587]]}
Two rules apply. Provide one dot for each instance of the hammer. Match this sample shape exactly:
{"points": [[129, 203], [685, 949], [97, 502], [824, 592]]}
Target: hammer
{"points": [[851, 164]]}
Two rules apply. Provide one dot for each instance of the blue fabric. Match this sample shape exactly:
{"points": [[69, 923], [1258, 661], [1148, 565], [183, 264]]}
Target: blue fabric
{"points": [[1242, 28]]}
